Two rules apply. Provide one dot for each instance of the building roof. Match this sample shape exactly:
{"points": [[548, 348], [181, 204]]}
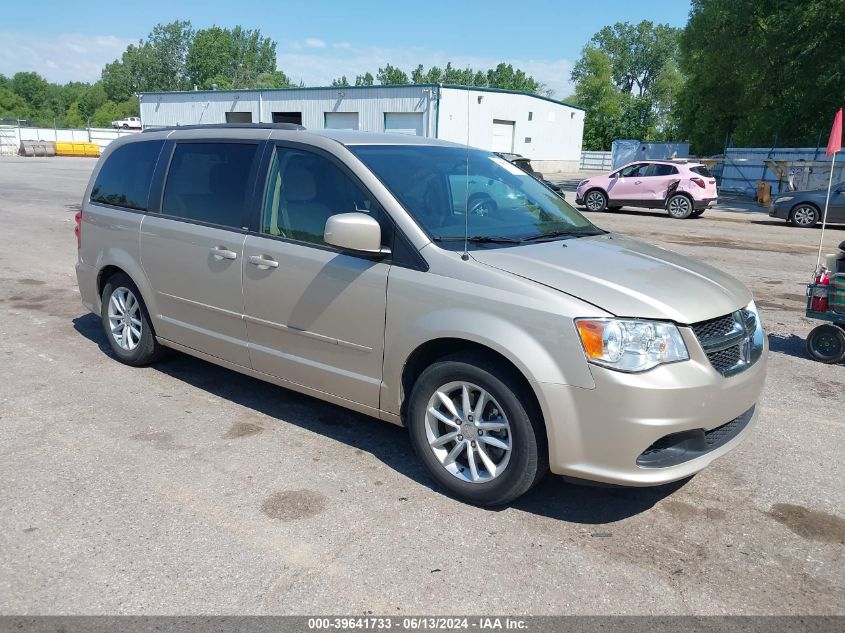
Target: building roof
{"points": [[452, 86]]}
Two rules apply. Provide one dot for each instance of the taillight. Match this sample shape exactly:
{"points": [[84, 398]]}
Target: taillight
{"points": [[699, 182], [77, 230]]}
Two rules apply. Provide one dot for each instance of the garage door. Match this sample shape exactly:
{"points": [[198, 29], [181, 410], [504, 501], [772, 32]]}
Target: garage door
{"points": [[341, 120], [410, 123], [502, 136]]}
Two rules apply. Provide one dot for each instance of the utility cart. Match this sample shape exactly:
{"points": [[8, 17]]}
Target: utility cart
{"points": [[826, 302]]}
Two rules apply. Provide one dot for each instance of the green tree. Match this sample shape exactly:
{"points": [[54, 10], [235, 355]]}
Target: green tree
{"points": [[506, 77], [364, 80], [209, 57], [637, 53], [628, 80], [761, 72], [157, 63], [340, 82], [111, 111], [594, 90], [12, 105], [390, 75], [32, 88]]}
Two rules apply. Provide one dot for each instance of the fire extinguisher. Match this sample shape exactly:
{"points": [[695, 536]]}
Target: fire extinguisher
{"points": [[820, 292]]}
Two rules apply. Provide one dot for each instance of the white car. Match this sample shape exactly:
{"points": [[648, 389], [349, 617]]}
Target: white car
{"points": [[127, 123]]}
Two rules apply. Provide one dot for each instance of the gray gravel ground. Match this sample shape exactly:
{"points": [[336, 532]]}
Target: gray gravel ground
{"points": [[187, 488]]}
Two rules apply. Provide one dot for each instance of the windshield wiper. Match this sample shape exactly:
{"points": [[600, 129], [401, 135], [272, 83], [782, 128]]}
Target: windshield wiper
{"points": [[478, 239], [563, 233]]}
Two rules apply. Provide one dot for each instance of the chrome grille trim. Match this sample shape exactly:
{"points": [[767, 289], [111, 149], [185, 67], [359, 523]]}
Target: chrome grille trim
{"points": [[728, 341]]}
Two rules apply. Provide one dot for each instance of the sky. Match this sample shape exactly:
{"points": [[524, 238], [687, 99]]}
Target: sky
{"points": [[319, 40]]}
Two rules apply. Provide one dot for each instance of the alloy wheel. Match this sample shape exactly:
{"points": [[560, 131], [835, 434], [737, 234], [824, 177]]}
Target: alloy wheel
{"points": [[804, 216], [595, 201], [125, 318], [680, 207], [468, 432]]}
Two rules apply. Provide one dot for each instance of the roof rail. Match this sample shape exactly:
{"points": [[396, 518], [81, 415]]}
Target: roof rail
{"points": [[228, 126]]}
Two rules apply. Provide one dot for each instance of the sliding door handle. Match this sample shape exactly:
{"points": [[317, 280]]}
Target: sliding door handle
{"points": [[264, 261], [221, 252]]}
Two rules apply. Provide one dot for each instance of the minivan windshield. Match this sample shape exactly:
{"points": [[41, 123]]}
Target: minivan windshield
{"points": [[452, 192]]}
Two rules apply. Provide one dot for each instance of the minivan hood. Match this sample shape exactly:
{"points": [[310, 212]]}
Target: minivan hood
{"points": [[625, 277]]}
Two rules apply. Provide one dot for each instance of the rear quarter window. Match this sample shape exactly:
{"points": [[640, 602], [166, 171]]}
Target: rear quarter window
{"points": [[701, 171], [124, 179]]}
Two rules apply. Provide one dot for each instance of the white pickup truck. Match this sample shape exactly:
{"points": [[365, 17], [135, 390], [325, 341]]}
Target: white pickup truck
{"points": [[127, 123]]}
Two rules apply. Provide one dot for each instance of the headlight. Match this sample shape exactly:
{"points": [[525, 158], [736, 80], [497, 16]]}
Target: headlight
{"points": [[784, 199], [583, 182], [631, 345]]}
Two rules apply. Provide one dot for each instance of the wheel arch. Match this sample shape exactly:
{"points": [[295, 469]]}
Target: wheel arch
{"points": [[805, 203], [114, 261], [601, 190], [431, 351]]}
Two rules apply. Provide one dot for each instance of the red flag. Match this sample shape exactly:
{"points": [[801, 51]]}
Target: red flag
{"points": [[835, 142]]}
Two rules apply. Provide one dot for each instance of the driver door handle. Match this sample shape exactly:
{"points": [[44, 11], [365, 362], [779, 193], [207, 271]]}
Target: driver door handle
{"points": [[263, 260], [221, 252]]}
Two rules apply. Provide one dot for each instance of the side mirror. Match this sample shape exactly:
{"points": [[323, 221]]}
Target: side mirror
{"points": [[356, 232]]}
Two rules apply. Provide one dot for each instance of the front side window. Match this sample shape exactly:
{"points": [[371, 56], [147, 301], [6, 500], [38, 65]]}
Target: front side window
{"points": [[208, 182], [124, 179], [303, 190], [452, 192], [633, 171]]}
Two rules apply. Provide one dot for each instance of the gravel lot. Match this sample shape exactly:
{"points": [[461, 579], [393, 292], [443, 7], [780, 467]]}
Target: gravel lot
{"points": [[187, 488]]}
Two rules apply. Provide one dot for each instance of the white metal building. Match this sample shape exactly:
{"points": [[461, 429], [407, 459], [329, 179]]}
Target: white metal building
{"points": [[548, 132]]}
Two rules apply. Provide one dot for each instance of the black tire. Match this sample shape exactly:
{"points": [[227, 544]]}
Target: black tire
{"points": [[595, 200], [697, 213], [826, 344], [125, 126], [528, 461], [147, 348], [679, 206], [804, 216]]}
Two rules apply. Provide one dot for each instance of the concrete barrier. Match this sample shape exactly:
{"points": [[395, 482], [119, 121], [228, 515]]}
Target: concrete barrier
{"points": [[67, 148], [37, 148]]}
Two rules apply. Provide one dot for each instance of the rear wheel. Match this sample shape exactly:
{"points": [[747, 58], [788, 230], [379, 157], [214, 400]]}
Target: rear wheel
{"points": [[595, 200], [679, 207], [475, 431], [826, 344], [804, 216], [126, 322]]}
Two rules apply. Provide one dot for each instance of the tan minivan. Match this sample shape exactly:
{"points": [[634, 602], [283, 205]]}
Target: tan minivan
{"points": [[428, 284]]}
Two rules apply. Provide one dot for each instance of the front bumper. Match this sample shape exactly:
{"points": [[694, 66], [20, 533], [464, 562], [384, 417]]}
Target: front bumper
{"points": [[600, 434], [779, 211]]}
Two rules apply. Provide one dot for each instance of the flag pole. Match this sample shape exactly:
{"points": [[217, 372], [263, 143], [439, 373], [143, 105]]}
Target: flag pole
{"points": [[824, 216]]}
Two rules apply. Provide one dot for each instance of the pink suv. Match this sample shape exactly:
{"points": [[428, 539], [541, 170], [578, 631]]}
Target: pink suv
{"points": [[683, 189]]}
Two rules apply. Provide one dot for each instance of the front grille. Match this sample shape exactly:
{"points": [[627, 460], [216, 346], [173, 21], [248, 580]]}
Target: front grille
{"points": [[725, 359], [674, 449], [714, 328], [729, 341]]}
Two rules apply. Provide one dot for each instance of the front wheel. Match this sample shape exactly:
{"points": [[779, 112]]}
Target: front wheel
{"points": [[476, 432], [595, 200], [679, 207], [804, 216], [826, 344]]}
